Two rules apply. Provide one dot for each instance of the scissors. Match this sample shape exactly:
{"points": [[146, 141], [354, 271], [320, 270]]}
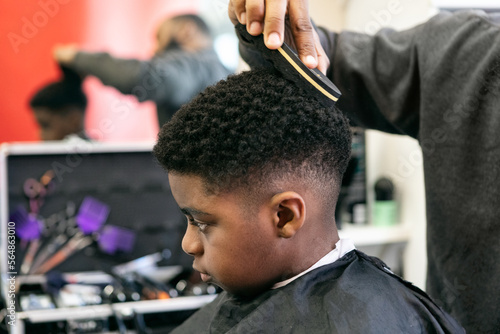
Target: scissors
{"points": [[37, 190]]}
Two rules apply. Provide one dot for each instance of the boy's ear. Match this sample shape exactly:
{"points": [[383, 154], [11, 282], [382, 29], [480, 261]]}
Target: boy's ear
{"points": [[289, 213]]}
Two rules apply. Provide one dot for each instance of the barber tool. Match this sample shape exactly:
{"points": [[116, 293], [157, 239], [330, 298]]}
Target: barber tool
{"points": [[37, 190], [28, 223], [59, 227], [78, 242], [28, 229], [113, 239], [28, 226], [48, 250], [286, 61], [91, 216]]}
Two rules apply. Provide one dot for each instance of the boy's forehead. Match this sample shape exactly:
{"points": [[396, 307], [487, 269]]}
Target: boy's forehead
{"points": [[180, 182], [192, 191], [188, 189]]}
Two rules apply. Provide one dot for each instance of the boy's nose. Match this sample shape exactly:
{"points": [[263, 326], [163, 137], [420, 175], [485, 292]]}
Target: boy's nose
{"points": [[191, 243]]}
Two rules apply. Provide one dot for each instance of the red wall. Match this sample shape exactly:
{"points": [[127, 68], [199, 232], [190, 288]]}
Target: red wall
{"points": [[29, 31]]}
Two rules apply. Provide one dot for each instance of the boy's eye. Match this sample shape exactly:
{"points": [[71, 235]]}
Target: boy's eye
{"points": [[201, 226]]}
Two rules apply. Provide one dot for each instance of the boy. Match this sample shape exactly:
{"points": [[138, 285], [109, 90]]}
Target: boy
{"points": [[256, 164], [59, 108]]}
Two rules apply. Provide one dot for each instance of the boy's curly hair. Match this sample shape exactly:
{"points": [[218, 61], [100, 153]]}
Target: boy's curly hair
{"points": [[255, 128]]}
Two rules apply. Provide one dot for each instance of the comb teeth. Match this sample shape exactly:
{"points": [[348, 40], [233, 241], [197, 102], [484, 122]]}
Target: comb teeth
{"points": [[287, 62], [28, 227], [91, 215]]}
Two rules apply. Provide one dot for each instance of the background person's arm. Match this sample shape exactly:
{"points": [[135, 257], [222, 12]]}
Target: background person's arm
{"points": [[123, 74], [164, 78]]}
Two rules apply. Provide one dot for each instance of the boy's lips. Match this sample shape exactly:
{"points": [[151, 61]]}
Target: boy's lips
{"points": [[204, 276]]}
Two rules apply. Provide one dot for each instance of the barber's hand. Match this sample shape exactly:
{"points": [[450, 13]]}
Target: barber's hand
{"points": [[65, 54], [268, 17]]}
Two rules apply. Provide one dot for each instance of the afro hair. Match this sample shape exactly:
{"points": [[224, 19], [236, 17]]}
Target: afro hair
{"points": [[254, 128]]}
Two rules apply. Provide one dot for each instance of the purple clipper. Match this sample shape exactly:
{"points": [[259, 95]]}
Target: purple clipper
{"points": [[28, 227], [113, 239], [91, 215]]}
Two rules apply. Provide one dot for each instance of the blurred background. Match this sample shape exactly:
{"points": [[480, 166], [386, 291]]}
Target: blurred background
{"points": [[126, 28]]}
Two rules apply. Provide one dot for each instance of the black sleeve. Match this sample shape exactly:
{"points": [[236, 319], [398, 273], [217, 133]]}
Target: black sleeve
{"points": [[378, 77], [169, 78], [393, 80], [123, 74]]}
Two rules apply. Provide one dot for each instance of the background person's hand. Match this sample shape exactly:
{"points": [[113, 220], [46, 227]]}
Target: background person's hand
{"points": [[269, 17], [65, 54]]}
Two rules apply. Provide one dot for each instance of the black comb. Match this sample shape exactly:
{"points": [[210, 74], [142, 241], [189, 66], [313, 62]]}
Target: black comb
{"points": [[288, 63]]}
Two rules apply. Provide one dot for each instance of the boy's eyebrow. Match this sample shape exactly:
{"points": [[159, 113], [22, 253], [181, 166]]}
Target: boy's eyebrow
{"points": [[190, 211]]}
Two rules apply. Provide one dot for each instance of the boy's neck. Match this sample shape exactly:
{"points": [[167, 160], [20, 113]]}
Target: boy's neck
{"points": [[310, 251]]}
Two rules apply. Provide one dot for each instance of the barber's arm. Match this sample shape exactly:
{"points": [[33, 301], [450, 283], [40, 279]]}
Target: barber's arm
{"points": [[394, 81], [379, 77]]}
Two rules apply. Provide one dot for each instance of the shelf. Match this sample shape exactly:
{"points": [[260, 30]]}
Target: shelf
{"points": [[104, 311], [366, 235], [97, 312]]}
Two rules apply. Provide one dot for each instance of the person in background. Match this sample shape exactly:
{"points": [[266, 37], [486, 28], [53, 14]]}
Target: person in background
{"points": [[59, 108], [184, 63], [439, 83]]}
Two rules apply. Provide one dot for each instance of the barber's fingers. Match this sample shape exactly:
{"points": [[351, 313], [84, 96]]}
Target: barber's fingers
{"points": [[323, 61], [268, 17], [272, 14], [240, 9], [303, 32], [261, 16], [274, 24], [237, 12]]}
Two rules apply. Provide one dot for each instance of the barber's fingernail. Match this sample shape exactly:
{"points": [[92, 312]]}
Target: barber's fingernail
{"points": [[274, 40], [243, 18], [254, 28], [311, 61]]}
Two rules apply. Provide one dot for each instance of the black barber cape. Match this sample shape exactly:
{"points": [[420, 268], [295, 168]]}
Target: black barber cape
{"points": [[355, 294]]}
